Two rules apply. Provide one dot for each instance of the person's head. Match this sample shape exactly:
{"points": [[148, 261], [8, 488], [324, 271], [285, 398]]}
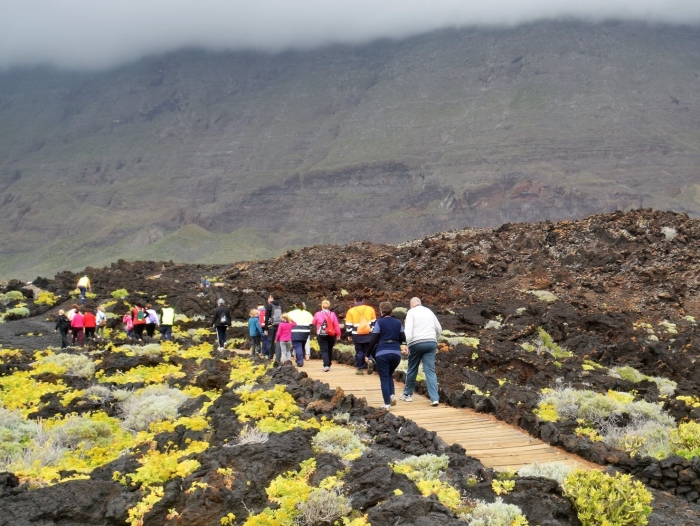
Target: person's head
{"points": [[100, 308], [149, 306], [61, 312], [358, 298], [285, 317], [325, 304], [253, 313], [74, 307], [386, 308], [272, 297], [166, 304], [82, 310], [414, 302], [137, 304], [220, 302]]}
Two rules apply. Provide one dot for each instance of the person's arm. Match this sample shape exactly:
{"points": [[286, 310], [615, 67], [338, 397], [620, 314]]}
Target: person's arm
{"points": [[438, 328], [374, 340], [409, 326]]}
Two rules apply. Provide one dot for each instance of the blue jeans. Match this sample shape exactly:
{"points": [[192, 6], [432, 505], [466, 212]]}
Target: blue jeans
{"points": [[299, 350], [166, 332], [424, 352], [82, 290], [386, 365]]}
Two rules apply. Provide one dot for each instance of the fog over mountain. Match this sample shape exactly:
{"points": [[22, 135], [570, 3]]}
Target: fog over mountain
{"points": [[85, 34]]}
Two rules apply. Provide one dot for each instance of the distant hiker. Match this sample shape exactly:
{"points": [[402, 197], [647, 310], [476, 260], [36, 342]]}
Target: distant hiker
{"points": [[77, 327], [83, 286], [128, 322], [89, 323], [327, 330], [254, 331], [63, 326], [167, 318], [101, 322], [283, 336], [204, 283], [138, 320], [151, 320], [222, 319], [263, 337], [359, 322], [300, 333], [385, 348], [273, 317], [73, 309], [422, 332]]}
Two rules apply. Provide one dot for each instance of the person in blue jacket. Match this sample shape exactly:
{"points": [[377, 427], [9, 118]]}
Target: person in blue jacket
{"points": [[387, 336], [254, 331]]}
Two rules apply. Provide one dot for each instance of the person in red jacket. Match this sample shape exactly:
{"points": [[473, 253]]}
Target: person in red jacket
{"points": [[139, 318], [89, 322]]}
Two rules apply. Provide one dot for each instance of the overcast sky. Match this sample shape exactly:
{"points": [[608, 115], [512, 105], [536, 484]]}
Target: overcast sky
{"points": [[89, 34]]}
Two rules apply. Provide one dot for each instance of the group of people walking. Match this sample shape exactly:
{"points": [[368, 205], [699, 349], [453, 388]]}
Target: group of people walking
{"points": [[143, 318], [379, 342], [82, 324]]}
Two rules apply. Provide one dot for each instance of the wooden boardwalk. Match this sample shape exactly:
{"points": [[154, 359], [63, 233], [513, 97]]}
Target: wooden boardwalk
{"points": [[495, 443]]}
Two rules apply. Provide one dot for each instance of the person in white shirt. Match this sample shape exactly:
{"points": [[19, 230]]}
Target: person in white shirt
{"points": [[422, 332]]}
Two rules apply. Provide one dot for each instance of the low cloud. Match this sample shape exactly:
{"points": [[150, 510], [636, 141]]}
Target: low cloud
{"points": [[93, 34]]}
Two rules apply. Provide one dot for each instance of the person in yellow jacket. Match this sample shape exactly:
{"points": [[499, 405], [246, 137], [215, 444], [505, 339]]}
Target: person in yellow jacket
{"points": [[359, 322], [167, 318], [83, 286]]}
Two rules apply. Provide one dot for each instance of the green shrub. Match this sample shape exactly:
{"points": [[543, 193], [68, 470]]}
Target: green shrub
{"points": [[322, 507], [423, 467], [46, 298], [550, 470], [497, 513], [601, 499], [16, 313], [14, 295], [75, 364], [80, 429], [119, 294], [686, 440], [339, 441], [150, 404], [15, 434], [666, 387], [646, 439]]}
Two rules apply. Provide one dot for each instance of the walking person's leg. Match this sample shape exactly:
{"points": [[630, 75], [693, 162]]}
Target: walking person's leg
{"points": [[325, 354], [385, 380], [298, 352], [414, 358], [431, 382]]}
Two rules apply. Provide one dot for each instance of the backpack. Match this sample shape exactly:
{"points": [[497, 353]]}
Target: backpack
{"points": [[363, 326], [276, 314], [330, 328], [140, 315], [224, 318]]}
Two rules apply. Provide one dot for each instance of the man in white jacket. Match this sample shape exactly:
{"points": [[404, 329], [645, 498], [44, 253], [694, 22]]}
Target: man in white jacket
{"points": [[422, 332]]}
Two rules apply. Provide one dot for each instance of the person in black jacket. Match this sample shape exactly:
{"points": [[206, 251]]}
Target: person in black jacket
{"points": [[63, 325], [273, 313], [222, 319], [387, 336]]}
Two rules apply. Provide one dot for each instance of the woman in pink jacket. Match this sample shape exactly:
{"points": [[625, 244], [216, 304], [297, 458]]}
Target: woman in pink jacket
{"points": [[284, 337], [327, 330], [77, 326]]}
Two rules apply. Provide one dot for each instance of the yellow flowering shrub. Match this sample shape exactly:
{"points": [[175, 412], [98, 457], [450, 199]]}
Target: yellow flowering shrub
{"points": [[274, 410], [198, 352], [158, 468], [152, 496], [157, 374], [244, 371], [546, 412], [21, 391], [10, 355]]}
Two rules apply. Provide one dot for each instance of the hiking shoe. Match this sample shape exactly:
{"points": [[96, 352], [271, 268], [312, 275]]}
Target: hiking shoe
{"points": [[393, 399], [326, 369], [387, 407], [406, 398], [434, 403], [370, 367], [360, 371]]}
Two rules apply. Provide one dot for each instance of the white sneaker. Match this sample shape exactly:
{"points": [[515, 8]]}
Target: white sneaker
{"points": [[326, 369], [393, 400], [406, 398], [434, 403], [387, 407]]}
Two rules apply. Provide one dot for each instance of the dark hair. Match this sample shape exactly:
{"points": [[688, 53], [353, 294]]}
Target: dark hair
{"points": [[148, 305], [358, 297], [385, 308], [273, 296]]}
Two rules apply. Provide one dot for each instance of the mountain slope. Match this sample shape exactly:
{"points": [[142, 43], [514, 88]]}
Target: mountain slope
{"points": [[385, 142]]}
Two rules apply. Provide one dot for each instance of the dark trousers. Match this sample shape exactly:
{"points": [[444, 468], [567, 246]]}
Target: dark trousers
{"points": [[64, 338], [298, 345], [166, 332], [386, 365], [150, 329], [326, 344], [83, 291], [89, 333], [265, 344], [255, 344], [273, 349], [221, 335], [361, 352], [138, 330], [77, 335]]}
